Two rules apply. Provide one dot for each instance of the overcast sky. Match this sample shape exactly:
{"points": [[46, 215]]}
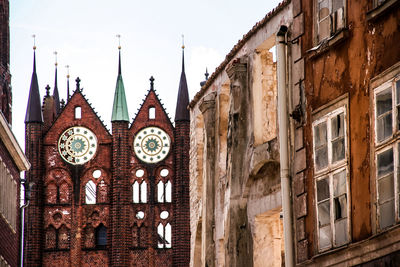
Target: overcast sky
{"points": [[83, 32]]}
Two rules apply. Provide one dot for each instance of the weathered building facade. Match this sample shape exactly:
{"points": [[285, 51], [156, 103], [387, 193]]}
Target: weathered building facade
{"points": [[340, 74], [344, 93], [107, 199], [12, 158], [235, 188]]}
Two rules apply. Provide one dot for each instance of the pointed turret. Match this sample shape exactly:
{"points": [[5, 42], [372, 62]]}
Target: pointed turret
{"points": [[56, 96], [120, 108], [182, 112], [34, 109]]}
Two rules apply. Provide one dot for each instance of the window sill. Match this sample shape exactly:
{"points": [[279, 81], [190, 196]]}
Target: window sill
{"points": [[378, 11], [327, 44]]}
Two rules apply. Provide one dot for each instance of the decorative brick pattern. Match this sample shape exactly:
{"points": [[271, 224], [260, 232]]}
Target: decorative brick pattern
{"points": [[67, 228]]}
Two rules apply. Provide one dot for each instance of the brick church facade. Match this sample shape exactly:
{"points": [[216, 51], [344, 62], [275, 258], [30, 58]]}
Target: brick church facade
{"points": [[101, 198]]}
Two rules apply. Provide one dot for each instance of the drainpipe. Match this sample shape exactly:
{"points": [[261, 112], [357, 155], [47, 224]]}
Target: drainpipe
{"points": [[283, 147], [27, 192]]}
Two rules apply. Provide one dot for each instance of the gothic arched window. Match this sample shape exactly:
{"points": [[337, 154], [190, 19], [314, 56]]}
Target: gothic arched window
{"points": [[139, 192], [90, 191], [164, 235], [101, 236], [164, 192]]}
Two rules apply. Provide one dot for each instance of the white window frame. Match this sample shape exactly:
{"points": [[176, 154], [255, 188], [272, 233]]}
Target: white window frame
{"points": [[387, 80], [326, 114]]}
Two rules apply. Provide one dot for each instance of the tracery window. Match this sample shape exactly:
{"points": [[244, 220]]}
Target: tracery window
{"points": [[57, 238], [164, 235], [139, 192], [164, 192]]}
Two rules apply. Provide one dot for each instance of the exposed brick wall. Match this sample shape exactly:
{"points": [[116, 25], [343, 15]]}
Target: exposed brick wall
{"points": [[131, 241], [5, 77], [181, 226]]}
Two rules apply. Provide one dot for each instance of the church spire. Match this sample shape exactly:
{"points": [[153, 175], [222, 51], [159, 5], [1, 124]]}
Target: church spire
{"points": [[181, 112], [68, 95], [120, 108], [34, 109], [56, 95]]}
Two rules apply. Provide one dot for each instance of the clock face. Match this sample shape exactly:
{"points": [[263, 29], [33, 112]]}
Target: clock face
{"points": [[151, 144], [77, 145]]}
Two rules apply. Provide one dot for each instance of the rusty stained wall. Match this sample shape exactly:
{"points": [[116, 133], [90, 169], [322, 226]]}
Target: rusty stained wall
{"points": [[368, 48]]}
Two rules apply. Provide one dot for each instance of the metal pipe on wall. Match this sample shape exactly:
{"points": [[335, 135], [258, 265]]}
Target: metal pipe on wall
{"points": [[283, 146]]}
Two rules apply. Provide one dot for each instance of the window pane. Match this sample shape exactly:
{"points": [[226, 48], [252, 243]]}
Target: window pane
{"points": [[323, 213], [340, 207], [385, 162], [168, 236], [320, 134], [168, 193], [321, 158], [160, 231], [78, 113], [338, 150], [160, 191], [135, 192], [398, 92], [325, 237], [384, 101], [384, 127], [385, 188], [340, 232], [90, 189], [386, 217], [323, 189], [101, 235], [336, 4], [323, 8], [339, 183], [337, 126], [143, 192]]}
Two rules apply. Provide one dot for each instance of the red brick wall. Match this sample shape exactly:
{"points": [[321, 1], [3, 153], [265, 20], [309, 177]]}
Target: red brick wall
{"points": [[118, 163]]}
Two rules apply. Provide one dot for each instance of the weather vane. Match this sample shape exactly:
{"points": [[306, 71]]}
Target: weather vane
{"points": [[55, 55], [183, 41], [34, 41], [119, 40]]}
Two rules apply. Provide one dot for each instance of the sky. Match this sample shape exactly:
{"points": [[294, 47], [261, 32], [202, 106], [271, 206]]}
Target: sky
{"points": [[83, 33]]}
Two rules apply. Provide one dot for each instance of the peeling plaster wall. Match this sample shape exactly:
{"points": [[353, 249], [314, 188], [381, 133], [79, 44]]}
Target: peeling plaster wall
{"points": [[243, 158]]}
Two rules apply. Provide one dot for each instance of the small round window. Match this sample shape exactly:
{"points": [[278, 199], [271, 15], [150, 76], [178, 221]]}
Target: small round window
{"points": [[139, 173], [164, 215], [140, 215], [164, 172], [96, 174]]}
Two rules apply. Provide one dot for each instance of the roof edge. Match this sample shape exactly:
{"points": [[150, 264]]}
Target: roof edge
{"points": [[12, 145], [236, 49]]}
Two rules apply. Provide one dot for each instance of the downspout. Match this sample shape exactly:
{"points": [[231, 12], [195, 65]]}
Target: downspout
{"points": [[283, 147], [27, 193]]}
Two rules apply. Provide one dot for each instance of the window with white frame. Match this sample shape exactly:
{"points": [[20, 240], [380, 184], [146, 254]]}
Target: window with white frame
{"points": [[387, 151], [329, 18], [331, 177]]}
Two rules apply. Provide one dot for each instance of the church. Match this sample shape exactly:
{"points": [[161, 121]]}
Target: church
{"points": [[102, 198]]}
